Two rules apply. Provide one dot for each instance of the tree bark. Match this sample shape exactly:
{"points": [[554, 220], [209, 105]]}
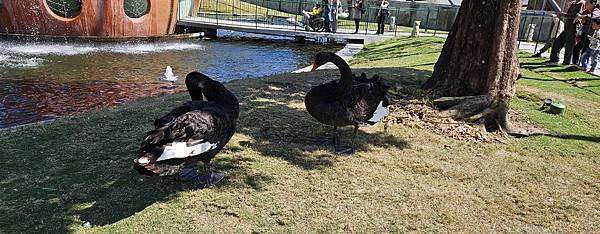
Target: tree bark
{"points": [[479, 58]]}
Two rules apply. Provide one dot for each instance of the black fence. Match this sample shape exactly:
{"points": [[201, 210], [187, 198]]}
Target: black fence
{"points": [[287, 14], [536, 27]]}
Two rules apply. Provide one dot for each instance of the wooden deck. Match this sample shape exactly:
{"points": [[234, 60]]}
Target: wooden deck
{"points": [[290, 30]]}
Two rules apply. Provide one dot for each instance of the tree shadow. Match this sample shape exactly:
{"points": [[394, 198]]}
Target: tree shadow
{"points": [[571, 81], [538, 79], [537, 65], [594, 139]]}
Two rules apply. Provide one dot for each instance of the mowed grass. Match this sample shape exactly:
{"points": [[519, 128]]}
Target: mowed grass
{"points": [[77, 169]]}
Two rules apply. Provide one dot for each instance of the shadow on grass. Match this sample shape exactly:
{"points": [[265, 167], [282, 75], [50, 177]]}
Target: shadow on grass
{"points": [[575, 82], [594, 139], [78, 169], [273, 114]]}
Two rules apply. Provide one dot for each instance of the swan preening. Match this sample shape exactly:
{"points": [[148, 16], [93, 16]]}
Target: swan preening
{"points": [[349, 101], [194, 131]]}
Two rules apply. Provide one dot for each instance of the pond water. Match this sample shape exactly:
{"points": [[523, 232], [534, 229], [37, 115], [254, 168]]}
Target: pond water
{"points": [[43, 80]]}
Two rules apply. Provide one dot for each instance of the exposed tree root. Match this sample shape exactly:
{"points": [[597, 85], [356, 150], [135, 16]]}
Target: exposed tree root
{"points": [[478, 109]]}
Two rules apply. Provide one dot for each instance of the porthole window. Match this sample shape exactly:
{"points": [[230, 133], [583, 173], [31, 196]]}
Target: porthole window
{"points": [[65, 8], [136, 8]]}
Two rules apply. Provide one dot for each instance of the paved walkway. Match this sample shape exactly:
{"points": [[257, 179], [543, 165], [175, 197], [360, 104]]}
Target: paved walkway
{"points": [[289, 30]]}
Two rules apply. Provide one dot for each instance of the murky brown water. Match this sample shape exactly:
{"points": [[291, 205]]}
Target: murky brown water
{"points": [[43, 80]]}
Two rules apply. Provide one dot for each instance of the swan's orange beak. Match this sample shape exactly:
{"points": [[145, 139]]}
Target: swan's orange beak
{"points": [[314, 68]]}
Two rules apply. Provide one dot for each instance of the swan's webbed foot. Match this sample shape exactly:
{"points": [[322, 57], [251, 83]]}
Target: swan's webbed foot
{"points": [[347, 150], [188, 174], [344, 150], [208, 178]]}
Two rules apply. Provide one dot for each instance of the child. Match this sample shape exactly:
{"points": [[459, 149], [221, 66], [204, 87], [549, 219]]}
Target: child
{"points": [[594, 50]]}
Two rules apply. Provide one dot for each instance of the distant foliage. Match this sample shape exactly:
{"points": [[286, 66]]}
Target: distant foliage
{"points": [[64, 8], [136, 8]]}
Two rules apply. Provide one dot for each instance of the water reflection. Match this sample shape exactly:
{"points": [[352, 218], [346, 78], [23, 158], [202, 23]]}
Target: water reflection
{"points": [[43, 80]]}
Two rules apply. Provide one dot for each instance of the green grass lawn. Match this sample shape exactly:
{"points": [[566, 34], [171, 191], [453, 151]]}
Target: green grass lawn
{"points": [[77, 169]]}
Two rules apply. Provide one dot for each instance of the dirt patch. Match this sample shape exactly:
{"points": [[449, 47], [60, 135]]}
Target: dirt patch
{"points": [[422, 116]]}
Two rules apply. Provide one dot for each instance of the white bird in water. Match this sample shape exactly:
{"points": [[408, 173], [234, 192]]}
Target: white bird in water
{"points": [[169, 76]]}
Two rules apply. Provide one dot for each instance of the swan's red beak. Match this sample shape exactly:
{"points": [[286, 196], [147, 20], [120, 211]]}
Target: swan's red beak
{"points": [[314, 68]]}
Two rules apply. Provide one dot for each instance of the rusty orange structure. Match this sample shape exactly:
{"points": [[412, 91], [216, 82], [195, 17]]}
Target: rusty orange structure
{"points": [[92, 18]]}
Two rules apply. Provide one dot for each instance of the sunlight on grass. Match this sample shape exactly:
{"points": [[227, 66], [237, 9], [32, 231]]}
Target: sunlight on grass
{"points": [[77, 169]]}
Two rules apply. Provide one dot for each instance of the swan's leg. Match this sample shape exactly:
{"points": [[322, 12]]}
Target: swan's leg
{"points": [[209, 178], [347, 150], [354, 136], [329, 140], [334, 136]]}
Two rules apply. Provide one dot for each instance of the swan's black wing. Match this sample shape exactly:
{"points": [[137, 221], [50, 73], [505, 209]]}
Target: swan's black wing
{"points": [[207, 124], [365, 99], [177, 112]]}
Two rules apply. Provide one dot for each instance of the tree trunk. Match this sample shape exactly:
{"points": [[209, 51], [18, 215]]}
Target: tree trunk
{"points": [[479, 61]]}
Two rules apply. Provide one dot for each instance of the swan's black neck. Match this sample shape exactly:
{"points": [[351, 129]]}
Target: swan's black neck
{"points": [[345, 71], [196, 95]]}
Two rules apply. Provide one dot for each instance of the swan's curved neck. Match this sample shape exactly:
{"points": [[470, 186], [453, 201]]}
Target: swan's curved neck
{"points": [[345, 71]]}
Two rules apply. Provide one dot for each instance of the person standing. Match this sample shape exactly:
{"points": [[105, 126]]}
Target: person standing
{"points": [[557, 28], [591, 11], [567, 38], [356, 13], [337, 9], [326, 16], [382, 13]]}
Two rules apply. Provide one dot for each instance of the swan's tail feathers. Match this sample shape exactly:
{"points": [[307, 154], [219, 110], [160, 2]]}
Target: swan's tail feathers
{"points": [[185, 149], [381, 112]]}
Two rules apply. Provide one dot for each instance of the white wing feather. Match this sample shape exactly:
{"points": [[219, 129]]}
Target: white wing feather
{"points": [[379, 113], [181, 150]]}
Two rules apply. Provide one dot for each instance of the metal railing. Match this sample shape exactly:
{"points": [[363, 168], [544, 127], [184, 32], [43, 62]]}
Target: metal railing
{"points": [[286, 14]]}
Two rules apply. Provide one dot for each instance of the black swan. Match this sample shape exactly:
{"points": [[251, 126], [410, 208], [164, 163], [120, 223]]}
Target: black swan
{"points": [[194, 131], [351, 100]]}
